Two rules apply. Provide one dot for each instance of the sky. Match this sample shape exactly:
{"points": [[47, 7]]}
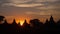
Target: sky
{"points": [[30, 9]]}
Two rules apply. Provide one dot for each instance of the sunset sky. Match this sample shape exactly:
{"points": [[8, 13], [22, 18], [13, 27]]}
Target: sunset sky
{"points": [[30, 9]]}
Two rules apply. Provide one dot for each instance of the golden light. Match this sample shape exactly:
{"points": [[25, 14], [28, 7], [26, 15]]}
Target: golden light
{"points": [[21, 23], [20, 20]]}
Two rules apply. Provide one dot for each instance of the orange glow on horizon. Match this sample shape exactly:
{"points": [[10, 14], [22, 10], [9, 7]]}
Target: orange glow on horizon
{"points": [[21, 22]]}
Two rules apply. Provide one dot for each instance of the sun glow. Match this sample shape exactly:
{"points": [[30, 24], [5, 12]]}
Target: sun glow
{"points": [[21, 23], [22, 19]]}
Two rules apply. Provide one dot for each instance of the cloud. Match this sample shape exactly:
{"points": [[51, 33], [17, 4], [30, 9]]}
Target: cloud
{"points": [[19, 1], [38, 13], [30, 7], [22, 5], [45, 0], [46, 13], [25, 3]]}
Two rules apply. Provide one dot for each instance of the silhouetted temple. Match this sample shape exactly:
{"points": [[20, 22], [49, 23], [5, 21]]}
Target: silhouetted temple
{"points": [[35, 26]]}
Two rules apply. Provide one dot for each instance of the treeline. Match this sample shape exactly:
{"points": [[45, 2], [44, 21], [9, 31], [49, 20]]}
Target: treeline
{"points": [[35, 26]]}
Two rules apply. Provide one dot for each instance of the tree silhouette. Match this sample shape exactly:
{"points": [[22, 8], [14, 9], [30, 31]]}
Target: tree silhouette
{"points": [[58, 22], [35, 22], [35, 26], [1, 19], [58, 25]]}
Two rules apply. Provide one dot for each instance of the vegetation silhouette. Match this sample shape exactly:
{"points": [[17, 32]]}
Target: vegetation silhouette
{"points": [[35, 26]]}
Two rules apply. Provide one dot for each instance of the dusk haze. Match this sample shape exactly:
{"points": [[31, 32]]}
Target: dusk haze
{"points": [[28, 12]]}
